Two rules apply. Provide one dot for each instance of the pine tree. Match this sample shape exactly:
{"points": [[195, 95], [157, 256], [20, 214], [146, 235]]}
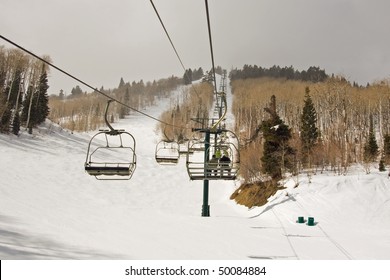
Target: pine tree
{"points": [[16, 124], [386, 148], [77, 91], [382, 164], [371, 147], [61, 94], [121, 83], [276, 151], [126, 100], [187, 78], [309, 131], [5, 119], [43, 99]]}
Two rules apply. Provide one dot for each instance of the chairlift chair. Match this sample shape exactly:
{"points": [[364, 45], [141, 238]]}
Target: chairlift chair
{"points": [[200, 169], [167, 152], [111, 154]]}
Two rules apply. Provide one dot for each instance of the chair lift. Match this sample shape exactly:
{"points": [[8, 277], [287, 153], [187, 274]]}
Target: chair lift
{"points": [[167, 152], [201, 165], [214, 168], [111, 154]]}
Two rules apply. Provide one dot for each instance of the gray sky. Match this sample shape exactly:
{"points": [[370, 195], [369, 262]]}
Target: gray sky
{"points": [[101, 41]]}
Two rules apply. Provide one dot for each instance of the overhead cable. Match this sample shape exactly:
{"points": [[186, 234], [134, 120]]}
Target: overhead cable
{"points": [[84, 83], [211, 44], [173, 46]]}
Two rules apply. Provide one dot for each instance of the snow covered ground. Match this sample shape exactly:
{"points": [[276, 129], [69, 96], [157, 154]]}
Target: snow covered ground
{"points": [[51, 209]]}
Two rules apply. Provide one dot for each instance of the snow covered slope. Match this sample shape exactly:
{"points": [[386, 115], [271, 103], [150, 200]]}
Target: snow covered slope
{"points": [[51, 209]]}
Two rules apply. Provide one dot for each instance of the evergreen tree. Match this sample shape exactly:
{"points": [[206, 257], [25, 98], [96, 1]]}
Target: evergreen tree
{"points": [[16, 124], [276, 151], [187, 78], [125, 110], [386, 148], [309, 131], [77, 91], [127, 97], [42, 106], [121, 83], [371, 147], [5, 119], [61, 94], [197, 74], [382, 165]]}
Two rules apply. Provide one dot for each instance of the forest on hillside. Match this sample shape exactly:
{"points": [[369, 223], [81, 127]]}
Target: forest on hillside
{"points": [[24, 100], [23, 91], [292, 125], [351, 124], [82, 111]]}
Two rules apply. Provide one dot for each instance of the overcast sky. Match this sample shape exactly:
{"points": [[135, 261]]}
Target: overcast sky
{"points": [[100, 41]]}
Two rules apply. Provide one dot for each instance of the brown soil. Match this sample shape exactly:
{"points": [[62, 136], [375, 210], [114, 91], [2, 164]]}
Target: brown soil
{"points": [[255, 194]]}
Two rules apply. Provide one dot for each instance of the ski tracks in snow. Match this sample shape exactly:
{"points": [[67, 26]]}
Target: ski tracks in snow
{"points": [[296, 240], [301, 235]]}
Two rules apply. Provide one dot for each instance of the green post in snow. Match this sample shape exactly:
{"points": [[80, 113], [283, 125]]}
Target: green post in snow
{"points": [[206, 206]]}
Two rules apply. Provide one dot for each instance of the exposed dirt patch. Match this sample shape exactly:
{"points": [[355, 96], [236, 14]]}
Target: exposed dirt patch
{"points": [[255, 194]]}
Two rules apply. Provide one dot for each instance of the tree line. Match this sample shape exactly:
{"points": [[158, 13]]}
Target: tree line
{"points": [[23, 91], [84, 111], [312, 74], [191, 75]]}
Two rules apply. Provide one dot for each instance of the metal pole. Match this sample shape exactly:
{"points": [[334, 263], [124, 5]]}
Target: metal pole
{"points": [[206, 206]]}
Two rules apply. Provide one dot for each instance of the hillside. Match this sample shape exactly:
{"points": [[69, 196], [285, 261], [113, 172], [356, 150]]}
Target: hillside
{"points": [[51, 209], [346, 118]]}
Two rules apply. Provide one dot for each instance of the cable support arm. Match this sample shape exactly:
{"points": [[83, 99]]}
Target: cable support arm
{"points": [[112, 130], [224, 113]]}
